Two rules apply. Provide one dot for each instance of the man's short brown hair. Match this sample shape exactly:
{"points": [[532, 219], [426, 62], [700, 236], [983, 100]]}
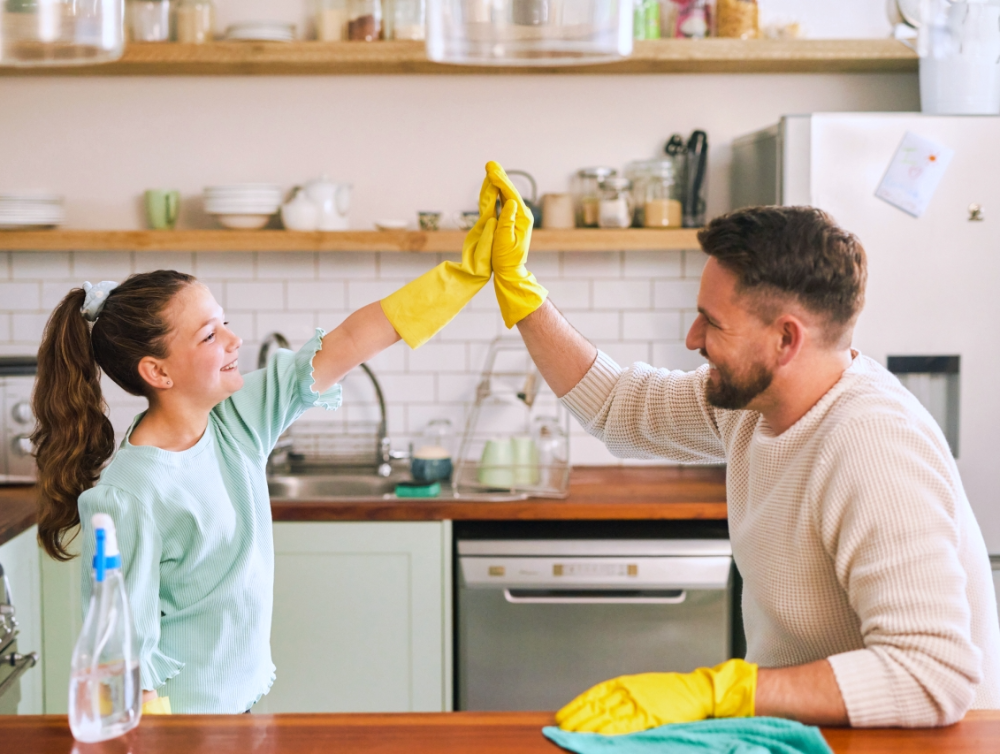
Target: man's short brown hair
{"points": [[797, 253]]}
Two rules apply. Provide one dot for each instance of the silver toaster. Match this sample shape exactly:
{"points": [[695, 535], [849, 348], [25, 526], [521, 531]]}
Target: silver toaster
{"points": [[17, 379]]}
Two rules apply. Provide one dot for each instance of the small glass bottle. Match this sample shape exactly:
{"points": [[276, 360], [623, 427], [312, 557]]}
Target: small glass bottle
{"points": [[408, 19], [737, 19], [661, 197], [616, 203], [588, 195], [194, 21], [364, 20], [331, 20], [149, 20]]}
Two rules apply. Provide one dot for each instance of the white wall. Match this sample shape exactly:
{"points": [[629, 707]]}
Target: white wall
{"points": [[407, 143]]}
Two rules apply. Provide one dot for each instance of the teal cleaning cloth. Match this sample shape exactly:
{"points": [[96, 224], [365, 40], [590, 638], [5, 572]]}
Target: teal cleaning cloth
{"points": [[739, 735]]}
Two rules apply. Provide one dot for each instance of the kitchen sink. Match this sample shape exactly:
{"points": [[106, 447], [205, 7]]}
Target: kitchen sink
{"points": [[363, 487]]}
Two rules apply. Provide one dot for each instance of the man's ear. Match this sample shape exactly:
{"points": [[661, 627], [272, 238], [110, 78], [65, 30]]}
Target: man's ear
{"points": [[791, 335], [153, 372]]}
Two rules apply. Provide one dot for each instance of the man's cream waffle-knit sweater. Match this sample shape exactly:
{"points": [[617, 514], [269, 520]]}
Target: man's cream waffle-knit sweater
{"points": [[851, 530]]}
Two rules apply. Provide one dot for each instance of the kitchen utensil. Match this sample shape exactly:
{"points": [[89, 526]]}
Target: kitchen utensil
{"points": [[528, 32], [429, 220], [557, 211], [694, 189], [333, 201], [162, 206], [299, 213], [532, 202]]}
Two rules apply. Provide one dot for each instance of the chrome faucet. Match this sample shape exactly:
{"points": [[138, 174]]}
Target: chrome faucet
{"points": [[272, 339], [384, 448]]}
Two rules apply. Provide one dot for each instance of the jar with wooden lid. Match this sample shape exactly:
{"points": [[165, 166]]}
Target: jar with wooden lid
{"points": [[737, 19], [588, 196], [364, 20], [194, 21]]}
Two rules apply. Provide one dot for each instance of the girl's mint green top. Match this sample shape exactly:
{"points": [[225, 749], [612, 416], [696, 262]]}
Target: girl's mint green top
{"points": [[194, 530]]}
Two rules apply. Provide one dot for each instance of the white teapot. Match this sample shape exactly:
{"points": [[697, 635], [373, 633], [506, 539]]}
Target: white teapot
{"points": [[299, 213], [333, 201]]}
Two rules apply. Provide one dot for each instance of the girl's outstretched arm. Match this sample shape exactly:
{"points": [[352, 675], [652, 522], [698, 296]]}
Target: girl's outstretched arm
{"points": [[362, 336]]}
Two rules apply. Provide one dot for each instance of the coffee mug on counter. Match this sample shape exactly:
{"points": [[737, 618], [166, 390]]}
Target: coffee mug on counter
{"points": [[525, 461], [162, 207], [496, 467]]}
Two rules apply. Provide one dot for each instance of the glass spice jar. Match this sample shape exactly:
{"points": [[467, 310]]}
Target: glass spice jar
{"points": [[616, 203], [408, 19], [661, 197], [331, 20], [149, 20], [364, 20], [194, 21], [737, 19], [588, 194]]}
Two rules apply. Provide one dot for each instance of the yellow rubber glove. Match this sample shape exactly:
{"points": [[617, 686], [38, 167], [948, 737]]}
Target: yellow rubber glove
{"points": [[158, 706], [518, 293], [638, 702], [425, 305]]}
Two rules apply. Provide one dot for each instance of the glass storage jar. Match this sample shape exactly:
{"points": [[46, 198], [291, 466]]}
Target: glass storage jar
{"points": [[34, 33], [194, 21], [588, 194], [149, 20], [637, 171], [364, 20], [616, 203], [408, 19], [661, 196], [331, 20], [737, 19]]}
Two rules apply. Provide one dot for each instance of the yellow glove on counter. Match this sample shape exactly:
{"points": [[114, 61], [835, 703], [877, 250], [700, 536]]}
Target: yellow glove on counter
{"points": [[422, 307], [632, 703], [158, 706], [518, 293]]}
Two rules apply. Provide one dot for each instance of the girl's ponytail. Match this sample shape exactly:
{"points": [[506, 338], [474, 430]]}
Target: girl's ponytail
{"points": [[73, 437]]}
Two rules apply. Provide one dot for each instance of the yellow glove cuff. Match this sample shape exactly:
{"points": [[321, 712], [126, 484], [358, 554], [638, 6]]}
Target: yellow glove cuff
{"points": [[158, 706], [735, 685]]}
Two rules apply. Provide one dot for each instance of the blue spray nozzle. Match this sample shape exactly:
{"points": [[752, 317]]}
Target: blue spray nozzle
{"points": [[99, 559]]}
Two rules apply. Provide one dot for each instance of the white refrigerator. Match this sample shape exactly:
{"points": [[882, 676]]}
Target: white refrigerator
{"points": [[934, 280]]}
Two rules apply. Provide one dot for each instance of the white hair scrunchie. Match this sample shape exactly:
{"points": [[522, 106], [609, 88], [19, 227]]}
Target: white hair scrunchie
{"points": [[97, 297]]}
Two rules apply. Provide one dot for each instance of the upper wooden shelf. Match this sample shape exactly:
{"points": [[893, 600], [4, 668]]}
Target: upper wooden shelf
{"points": [[658, 56], [583, 239]]}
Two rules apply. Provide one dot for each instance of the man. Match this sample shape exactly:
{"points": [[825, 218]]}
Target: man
{"points": [[868, 597]]}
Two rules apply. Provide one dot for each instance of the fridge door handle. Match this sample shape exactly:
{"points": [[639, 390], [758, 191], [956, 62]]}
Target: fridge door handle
{"points": [[595, 596]]}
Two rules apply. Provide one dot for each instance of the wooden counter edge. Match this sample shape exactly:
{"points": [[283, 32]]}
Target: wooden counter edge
{"points": [[18, 510]]}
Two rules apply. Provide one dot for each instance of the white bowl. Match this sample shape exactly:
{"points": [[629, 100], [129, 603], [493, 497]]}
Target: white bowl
{"points": [[233, 208], [391, 224], [243, 222]]}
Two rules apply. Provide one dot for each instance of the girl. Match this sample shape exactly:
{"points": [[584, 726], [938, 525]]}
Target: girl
{"points": [[187, 487]]}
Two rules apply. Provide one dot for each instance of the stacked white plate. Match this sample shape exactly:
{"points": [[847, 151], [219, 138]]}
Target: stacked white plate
{"points": [[264, 31], [31, 210], [243, 205]]}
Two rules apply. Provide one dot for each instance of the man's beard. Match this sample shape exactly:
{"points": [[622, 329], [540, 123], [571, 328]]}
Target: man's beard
{"points": [[735, 392]]}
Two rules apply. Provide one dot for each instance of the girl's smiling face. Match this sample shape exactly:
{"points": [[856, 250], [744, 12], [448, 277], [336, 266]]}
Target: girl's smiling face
{"points": [[201, 366]]}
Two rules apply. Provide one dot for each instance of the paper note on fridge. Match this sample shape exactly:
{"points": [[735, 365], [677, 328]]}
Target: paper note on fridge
{"points": [[914, 173]]}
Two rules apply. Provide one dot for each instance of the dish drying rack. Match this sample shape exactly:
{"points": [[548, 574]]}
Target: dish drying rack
{"points": [[514, 394], [319, 445]]}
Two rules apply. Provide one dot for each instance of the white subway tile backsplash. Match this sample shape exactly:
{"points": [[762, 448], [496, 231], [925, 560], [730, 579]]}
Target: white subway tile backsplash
{"points": [[694, 263], [344, 265], [217, 289], [392, 359], [361, 292], [285, 265], [652, 325], [585, 450], [231, 265], [242, 324], [53, 291], [5, 330], [5, 265], [688, 318], [457, 387], [27, 328], [96, 266], [255, 296], [326, 294], [676, 294], [418, 416], [570, 295], [403, 266], [181, 261], [485, 300], [296, 326], [409, 388], [622, 294], [591, 264], [436, 356], [676, 356], [31, 265], [626, 353], [470, 326], [597, 325], [545, 265], [653, 264], [21, 296]]}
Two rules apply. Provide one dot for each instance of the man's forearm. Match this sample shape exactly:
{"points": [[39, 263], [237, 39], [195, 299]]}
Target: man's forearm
{"points": [[807, 693], [563, 356]]}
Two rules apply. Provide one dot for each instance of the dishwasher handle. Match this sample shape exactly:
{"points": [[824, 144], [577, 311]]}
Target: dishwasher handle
{"points": [[595, 596]]}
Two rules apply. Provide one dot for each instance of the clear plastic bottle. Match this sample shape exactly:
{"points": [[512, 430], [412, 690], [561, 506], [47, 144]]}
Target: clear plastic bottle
{"points": [[105, 698]]}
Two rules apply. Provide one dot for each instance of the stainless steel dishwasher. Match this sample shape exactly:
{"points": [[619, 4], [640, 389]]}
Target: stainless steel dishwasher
{"points": [[540, 621]]}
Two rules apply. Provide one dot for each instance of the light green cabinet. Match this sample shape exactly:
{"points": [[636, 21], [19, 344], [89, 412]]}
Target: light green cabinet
{"points": [[362, 617], [62, 617], [22, 564]]}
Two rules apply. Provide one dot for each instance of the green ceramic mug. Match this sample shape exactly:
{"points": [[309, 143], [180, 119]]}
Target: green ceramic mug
{"points": [[162, 206]]}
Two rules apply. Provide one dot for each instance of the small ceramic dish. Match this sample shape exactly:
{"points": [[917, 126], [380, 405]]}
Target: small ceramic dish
{"points": [[390, 224]]}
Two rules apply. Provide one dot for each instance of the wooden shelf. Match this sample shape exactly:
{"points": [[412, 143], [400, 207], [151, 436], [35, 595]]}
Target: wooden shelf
{"points": [[657, 56], [583, 239]]}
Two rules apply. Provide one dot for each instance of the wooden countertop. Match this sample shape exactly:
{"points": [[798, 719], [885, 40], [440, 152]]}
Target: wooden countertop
{"points": [[448, 733], [597, 493]]}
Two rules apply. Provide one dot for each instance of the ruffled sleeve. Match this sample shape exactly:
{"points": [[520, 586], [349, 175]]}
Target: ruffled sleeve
{"points": [[275, 396], [141, 546]]}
